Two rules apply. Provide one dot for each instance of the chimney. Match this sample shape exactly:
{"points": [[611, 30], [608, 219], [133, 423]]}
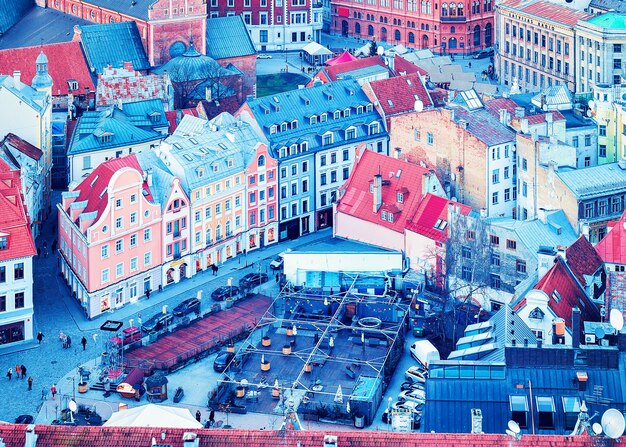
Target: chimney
{"points": [[330, 441], [503, 117], [397, 152], [549, 117], [575, 327], [541, 215], [483, 213], [539, 343], [31, 436], [561, 251], [463, 124], [149, 177], [519, 112], [378, 192], [17, 75], [477, 420], [545, 260], [190, 439], [452, 114]]}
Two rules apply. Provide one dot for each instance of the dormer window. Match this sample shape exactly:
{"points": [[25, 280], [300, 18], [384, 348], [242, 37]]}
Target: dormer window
{"points": [[337, 114], [369, 108], [200, 172], [273, 129], [383, 215], [283, 152], [230, 162], [4, 242], [441, 224], [313, 119], [359, 110], [216, 167], [294, 124], [155, 117], [390, 217], [373, 128], [327, 139], [346, 113], [283, 127], [106, 138], [323, 117], [304, 146], [400, 197], [350, 133], [293, 149]]}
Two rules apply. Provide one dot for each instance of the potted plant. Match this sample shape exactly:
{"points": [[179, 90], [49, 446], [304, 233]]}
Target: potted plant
{"points": [[266, 341], [265, 364], [82, 386], [229, 302], [286, 349]]}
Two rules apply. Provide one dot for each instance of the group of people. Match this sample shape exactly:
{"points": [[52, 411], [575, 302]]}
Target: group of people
{"points": [[67, 340], [20, 373]]}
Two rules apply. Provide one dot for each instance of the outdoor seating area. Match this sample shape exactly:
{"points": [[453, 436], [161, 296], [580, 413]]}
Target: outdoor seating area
{"points": [[316, 357]]}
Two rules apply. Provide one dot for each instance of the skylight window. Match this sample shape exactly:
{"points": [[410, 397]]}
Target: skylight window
{"points": [[390, 102]]}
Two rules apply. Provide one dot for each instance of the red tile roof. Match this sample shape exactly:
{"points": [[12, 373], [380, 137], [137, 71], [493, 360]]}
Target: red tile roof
{"points": [[554, 12], [583, 259], [398, 95], [568, 294], [65, 61], [430, 210], [58, 435], [616, 291], [612, 248], [495, 105], [94, 188], [357, 201], [339, 69], [401, 65], [23, 146], [14, 222], [125, 83]]}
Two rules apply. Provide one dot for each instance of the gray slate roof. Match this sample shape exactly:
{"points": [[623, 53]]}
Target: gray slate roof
{"points": [[303, 103], [114, 44], [193, 66], [597, 181], [484, 126], [12, 12], [197, 145], [40, 26], [162, 178], [136, 8], [609, 5], [228, 37]]}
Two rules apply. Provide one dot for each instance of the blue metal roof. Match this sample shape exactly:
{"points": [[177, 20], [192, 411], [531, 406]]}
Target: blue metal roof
{"points": [[228, 37], [134, 8], [113, 44], [597, 181], [12, 12], [302, 104], [162, 178], [147, 114], [340, 245]]}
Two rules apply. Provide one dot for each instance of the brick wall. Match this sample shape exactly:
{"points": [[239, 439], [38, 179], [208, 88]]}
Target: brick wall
{"points": [[410, 133], [247, 64]]}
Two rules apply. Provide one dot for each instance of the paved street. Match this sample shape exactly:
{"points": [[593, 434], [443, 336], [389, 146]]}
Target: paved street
{"points": [[56, 311]]}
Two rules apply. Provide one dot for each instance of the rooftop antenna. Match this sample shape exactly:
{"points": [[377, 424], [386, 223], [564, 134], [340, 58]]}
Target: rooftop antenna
{"points": [[613, 423], [514, 430], [616, 318]]}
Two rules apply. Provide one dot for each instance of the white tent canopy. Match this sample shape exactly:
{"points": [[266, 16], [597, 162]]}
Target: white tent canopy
{"points": [[315, 49], [152, 415]]}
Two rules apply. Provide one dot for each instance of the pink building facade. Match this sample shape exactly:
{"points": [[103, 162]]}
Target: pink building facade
{"points": [[110, 237], [262, 199], [176, 236]]}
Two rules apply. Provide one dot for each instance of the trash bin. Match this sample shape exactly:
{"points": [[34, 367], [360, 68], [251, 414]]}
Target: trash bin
{"points": [[359, 421]]}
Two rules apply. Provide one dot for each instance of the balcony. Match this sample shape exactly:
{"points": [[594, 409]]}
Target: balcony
{"points": [[456, 19], [176, 234]]}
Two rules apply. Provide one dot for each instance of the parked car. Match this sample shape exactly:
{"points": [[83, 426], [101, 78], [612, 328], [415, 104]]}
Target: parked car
{"points": [[416, 374], [278, 262], [417, 417], [424, 352], [221, 293], [418, 396], [129, 335], [263, 56], [157, 322], [408, 405], [409, 385], [483, 54], [253, 280], [186, 307], [222, 361]]}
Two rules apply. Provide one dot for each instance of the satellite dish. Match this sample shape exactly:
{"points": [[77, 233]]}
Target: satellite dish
{"points": [[617, 319], [72, 406], [380, 50], [418, 106], [591, 104], [597, 428], [599, 333], [514, 427], [613, 423]]}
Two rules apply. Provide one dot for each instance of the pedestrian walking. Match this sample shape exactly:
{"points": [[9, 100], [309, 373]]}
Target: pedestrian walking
{"points": [[53, 390], [10, 373], [40, 337], [148, 294], [69, 342], [18, 371], [23, 371], [83, 342], [38, 252], [30, 383], [277, 278], [198, 415], [211, 418], [469, 64], [45, 252], [64, 339]]}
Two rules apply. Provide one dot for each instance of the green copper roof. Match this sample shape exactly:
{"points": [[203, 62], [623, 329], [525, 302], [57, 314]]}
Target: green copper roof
{"points": [[609, 20]]}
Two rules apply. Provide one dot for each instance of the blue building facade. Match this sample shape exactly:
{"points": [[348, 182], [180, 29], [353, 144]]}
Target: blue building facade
{"points": [[314, 134]]}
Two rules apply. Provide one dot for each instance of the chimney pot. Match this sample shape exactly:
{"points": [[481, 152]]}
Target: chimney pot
{"points": [[378, 192], [17, 75]]}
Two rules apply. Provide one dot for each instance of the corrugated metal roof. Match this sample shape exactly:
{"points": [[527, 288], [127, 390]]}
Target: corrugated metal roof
{"points": [[113, 44], [596, 181], [228, 37], [162, 178], [340, 245], [136, 8]]}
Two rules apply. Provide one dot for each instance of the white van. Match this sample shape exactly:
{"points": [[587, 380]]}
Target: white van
{"points": [[278, 262]]}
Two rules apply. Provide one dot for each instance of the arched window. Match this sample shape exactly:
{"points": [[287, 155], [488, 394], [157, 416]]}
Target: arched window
{"points": [[228, 228], [395, 22], [261, 161], [444, 9], [452, 9], [428, 27], [452, 30], [477, 36], [399, 22], [422, 26], [357, 28], [452, 43], [397, 35], [460, 9], [385, 19], [381, 19], [370, 30], [411, 38], [488, 35]]}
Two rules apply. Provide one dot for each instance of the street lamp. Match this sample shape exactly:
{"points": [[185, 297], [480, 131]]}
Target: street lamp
{"points": [[73, 379], [389, 412], [230, 284]]}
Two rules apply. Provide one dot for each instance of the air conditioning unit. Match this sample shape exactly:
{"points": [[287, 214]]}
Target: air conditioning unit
{"points": [[604, 342], [590, 339]]}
